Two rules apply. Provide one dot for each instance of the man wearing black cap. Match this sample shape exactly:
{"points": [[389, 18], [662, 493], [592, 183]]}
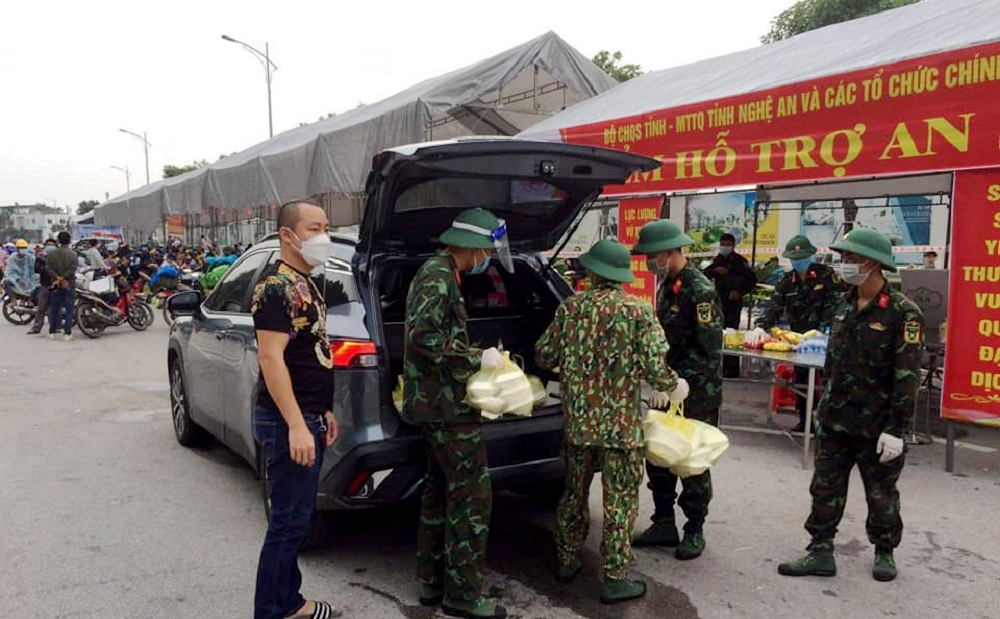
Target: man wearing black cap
{"points": [[733, 278]]}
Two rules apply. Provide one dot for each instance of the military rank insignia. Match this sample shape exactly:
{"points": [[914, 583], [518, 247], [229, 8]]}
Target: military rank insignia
{"points": [[911, 332], [704, 313]]}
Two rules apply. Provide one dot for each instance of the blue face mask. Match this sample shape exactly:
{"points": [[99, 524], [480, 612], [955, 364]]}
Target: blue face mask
{"points": [[480, 269], [50, 248], [802, 265]]}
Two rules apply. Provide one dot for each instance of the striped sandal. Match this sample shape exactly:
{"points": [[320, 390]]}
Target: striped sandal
{"points": [[323, 610]]}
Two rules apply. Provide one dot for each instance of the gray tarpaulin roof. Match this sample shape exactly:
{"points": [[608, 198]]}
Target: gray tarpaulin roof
{"points": [[503, 94], [920, 29]]}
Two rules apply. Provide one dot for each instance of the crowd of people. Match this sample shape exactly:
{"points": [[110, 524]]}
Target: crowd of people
{"points": [[47, 272], [605, 344]]}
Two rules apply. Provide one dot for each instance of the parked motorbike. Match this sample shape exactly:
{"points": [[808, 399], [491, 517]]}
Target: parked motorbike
{"points": [[189, 280], [98, 307], [18, 308]]}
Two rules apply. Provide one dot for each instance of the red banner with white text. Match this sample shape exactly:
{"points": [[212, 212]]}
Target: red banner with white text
{"points": [[633, 214], [927, 114], [972, 359]]}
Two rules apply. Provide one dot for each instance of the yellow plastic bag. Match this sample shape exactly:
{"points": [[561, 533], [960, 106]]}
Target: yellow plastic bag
{"points": [[670, 436], [538, 392], [710, 444], [397, 395]]}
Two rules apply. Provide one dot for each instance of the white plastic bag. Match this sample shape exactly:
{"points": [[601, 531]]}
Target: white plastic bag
{"points": [[507, 385]]}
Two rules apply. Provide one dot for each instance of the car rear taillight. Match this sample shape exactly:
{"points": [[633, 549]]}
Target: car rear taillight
{"points": [[354, 354], [358, 484]]}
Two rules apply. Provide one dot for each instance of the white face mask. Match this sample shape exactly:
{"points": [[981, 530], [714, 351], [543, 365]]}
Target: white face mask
{"points": [[316, 250], [725, 250], [851, 274]]}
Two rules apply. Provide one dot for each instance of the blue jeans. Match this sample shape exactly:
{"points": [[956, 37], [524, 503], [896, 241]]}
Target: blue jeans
{"points": [[292, 490], [62, 299]]}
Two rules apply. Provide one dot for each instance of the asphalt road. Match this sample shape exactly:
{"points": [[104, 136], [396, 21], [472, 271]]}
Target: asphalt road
{"points": [[103, 514]]}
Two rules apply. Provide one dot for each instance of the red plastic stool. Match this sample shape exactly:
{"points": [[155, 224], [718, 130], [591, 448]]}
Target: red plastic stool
{"points": [[782, 397]]}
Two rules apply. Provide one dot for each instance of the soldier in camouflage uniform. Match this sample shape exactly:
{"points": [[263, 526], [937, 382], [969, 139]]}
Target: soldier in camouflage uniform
{"points": [[605, 342], [873, 371], [806, 297], [437, 363], [688, 307]]}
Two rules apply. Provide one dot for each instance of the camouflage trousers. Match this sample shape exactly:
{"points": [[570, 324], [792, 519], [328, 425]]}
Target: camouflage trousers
{"points": [[836, 455], [455, 512], [696, 491], [621, 476]]}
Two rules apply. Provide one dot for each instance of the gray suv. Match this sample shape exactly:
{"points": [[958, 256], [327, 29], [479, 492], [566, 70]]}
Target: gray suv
{"points": [[413, 193]]}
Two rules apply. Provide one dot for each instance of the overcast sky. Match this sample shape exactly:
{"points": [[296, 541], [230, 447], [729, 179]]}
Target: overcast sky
{"points": [[73, 73]]}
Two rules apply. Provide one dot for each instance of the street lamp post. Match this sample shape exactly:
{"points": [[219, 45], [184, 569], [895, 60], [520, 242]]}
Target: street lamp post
{"points": [[145, 147], [269, 67], [127, 175]]}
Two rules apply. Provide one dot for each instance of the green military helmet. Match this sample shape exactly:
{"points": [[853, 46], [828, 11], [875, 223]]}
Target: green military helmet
{"points": [[661, 235], [471, 230], [609, 259], [868, 243], [798, 248]]}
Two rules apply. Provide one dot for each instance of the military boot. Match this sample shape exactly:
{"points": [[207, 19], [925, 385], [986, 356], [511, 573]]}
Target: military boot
{"points": [[816, 563], [568, 572], [615, 591], [431, 594], [473, 609], [884, 568], [662, 533], [692, 546]]}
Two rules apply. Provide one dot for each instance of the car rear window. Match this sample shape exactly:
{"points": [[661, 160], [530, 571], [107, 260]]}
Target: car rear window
{"points": [[538, 197]]}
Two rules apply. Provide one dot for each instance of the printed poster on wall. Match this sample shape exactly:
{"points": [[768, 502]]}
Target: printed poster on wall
{"points": [[712, 215], [175, 226], [971, 389], [633, 214], [906, 220]]}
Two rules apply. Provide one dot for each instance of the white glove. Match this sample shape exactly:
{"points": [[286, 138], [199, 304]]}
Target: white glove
{"points": [[755, 337], [889, 447], [659, 399], [680, 393], [492, 359]]}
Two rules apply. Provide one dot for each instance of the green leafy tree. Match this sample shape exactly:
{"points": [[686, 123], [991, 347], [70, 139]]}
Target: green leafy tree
{"points": [[86, 206], [611, 64], [170, 171], [806, 15]]}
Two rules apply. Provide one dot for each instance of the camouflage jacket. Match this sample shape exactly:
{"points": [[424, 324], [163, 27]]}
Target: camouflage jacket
{"points": [[689, 310], [806, 302], [605, 342], [872, 365], [437, 358]]}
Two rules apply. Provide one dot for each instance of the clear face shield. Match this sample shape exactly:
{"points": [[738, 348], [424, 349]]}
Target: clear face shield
{"points": [[501, 243]]}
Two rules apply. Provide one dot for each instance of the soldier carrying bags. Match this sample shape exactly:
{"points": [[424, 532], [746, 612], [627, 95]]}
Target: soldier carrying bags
{"points": [[437, 363], [605, 342], [688, 308]]}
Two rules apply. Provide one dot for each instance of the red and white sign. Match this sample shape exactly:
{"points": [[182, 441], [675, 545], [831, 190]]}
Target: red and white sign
{"points": [[972, 359], [633, 214], [934, 113]]}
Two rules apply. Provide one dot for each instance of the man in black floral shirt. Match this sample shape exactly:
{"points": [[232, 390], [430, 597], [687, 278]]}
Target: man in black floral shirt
{"points": [[292, 420]]}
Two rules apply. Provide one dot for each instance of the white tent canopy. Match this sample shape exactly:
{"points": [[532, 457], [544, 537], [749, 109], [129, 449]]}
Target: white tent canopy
{"points": [[501, 95], [924, 28]]}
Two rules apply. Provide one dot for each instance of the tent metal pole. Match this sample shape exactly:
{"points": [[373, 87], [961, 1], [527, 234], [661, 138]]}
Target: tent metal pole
{"points": [[753, 251]]}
